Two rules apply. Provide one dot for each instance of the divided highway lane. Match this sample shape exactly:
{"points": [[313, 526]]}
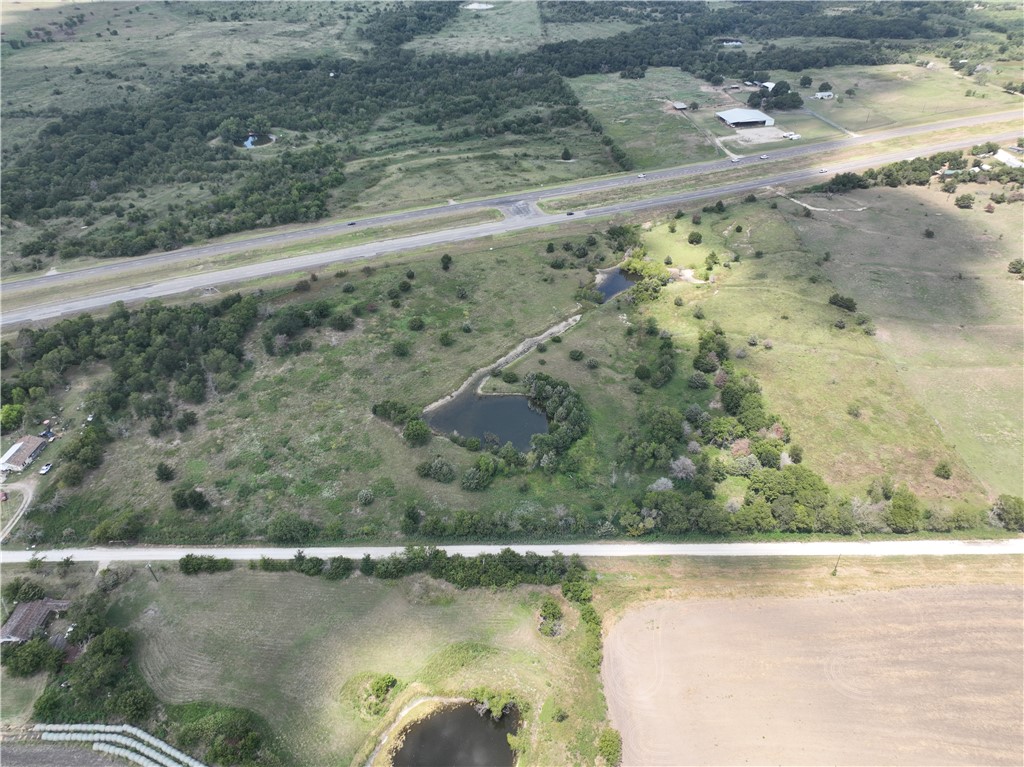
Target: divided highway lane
{"points": [[505, 202], [1013, 546], [313, 261]]}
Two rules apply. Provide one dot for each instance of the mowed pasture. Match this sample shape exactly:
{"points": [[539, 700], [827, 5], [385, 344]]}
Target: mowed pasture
{"points": [[814, 374], [908, 676], [300, 650], [902, 94], [638, 115], [949, 315]]}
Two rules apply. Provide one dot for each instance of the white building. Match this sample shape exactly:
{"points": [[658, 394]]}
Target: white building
{"points": [[22, 453], [824, 95], [745, 118]]}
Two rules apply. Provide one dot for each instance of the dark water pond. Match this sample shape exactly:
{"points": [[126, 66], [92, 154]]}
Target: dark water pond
{"points": [[616, 282], [457, 736], [252, 141], [508, 416]]}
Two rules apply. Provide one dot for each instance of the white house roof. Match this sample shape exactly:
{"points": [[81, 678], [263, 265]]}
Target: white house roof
{"points": [[769, 86], [679, 104], [733, 116], [10, 453]]}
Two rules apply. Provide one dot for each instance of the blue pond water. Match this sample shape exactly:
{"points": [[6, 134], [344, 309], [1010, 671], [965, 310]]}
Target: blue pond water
{"points": [[508, 416], [458, 736], [616, 282]]}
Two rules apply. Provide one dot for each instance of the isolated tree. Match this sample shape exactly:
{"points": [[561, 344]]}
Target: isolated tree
{"points": [[824, 86], [695, 238], [805, 81], [164, 472], [1009, 510], [1016, 266], [904, 513], [965, 201], [566, 154], [417, 432]]}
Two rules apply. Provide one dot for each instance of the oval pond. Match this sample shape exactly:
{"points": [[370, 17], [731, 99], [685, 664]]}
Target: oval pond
{"points": [[457, 736]]}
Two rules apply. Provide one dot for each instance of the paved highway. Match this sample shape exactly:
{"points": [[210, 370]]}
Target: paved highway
{"points": [[520, 210], [1013, 546]]}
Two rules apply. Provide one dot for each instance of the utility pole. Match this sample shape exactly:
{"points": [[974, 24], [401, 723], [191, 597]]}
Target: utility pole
{"points": [[835, 570], [149, 566]]}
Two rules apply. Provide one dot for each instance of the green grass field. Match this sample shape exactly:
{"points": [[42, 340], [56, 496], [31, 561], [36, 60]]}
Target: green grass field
{"points": [[814, 372], [949, 315], [298, 650], [639, 116], [903, 94]]}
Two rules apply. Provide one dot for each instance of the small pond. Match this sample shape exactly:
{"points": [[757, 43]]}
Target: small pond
{"points": [[255, 140], [616, 282], [457, 736], [508, 416]]}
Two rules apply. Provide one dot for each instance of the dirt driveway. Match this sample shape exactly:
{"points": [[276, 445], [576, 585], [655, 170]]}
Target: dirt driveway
{"points": [[908, 677]]}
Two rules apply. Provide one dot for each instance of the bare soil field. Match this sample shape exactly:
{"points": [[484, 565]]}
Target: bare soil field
{"points": [[38, 754], [917, 676]]}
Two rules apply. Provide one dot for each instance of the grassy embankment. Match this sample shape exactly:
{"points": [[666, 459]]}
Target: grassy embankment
{"points": [[153, 272]]}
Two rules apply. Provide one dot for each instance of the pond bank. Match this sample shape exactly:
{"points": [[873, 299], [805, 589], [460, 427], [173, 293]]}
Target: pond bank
{"points": [[478, 378], [427, 704]]}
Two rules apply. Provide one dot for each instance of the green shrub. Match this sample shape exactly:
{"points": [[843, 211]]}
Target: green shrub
{"points": [[417, 432], [695, 238], [943, 470], [191, 564], [609, 746], [164, 473], [576, 355], [1009, 510], [417, 323]]}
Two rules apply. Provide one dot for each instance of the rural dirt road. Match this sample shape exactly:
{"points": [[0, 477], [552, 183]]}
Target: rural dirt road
{"points": [[788, 549], [27, 488]]}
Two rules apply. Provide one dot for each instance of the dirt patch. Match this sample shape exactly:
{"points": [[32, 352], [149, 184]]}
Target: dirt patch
{"points": [[915, 676], [756, 136], [38, 754]]}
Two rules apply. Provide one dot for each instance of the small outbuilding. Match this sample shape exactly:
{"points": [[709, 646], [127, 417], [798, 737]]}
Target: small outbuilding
{"points": [[30, 617], [22, 453], [745, 118], [824, 95], [680, 105]]}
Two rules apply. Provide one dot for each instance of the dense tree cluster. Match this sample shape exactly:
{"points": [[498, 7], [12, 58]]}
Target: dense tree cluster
{"points": [[158, 356], [80, 160], [503, 570], [391, 25], [100, 685], [568, 419]]}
